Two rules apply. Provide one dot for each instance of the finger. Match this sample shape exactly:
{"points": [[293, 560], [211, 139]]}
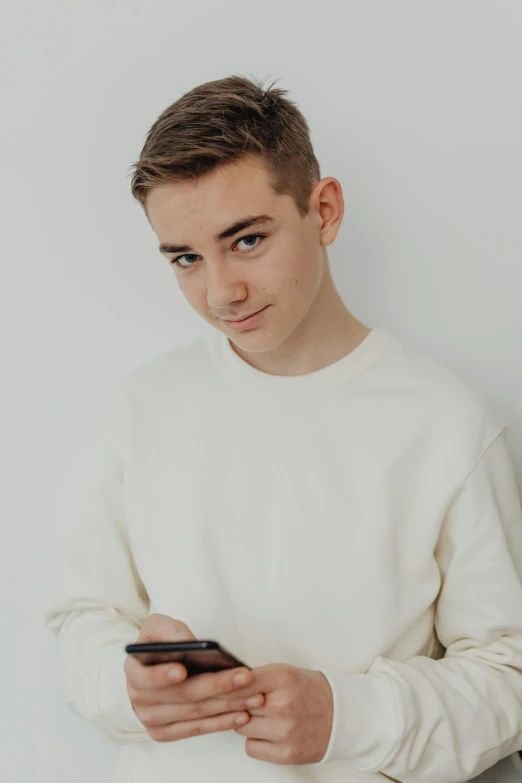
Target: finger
{"points": [[269, 729], [162, 628], [143, 677], [210, 685], [274, 752], [193, 728], [271, 677], [163, 714]]}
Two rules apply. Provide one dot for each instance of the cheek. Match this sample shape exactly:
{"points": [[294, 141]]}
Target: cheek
{"points": [[283, 275]]}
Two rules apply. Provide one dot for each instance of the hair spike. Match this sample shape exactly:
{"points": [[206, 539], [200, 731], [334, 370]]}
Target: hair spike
{"points": [[222, 121]]}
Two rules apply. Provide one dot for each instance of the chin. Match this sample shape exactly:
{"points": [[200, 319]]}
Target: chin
{"points": [[254, 342]]}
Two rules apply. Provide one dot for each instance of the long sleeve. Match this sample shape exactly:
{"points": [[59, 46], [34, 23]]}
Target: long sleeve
{"points": [[101, 602], [447, 720]]}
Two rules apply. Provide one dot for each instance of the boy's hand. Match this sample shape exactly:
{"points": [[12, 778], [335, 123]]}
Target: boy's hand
{"points": [[176, 707], [295, 723], [291, 724]]}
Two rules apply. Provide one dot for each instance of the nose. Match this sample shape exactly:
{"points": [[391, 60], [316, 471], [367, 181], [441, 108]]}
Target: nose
{"points": [[224, 287]]}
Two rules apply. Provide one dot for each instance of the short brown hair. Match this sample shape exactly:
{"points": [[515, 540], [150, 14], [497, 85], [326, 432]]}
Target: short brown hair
{"points": [[222, 121]]}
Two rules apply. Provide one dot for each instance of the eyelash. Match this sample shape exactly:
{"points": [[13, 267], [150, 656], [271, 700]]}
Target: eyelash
{"points": [[175, 261]]}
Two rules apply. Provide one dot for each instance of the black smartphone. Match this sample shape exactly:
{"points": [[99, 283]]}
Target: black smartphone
{"points": [[198, 657]]}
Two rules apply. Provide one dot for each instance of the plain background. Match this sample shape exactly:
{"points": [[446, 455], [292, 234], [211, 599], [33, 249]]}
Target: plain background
{"points": [[414, 106]]}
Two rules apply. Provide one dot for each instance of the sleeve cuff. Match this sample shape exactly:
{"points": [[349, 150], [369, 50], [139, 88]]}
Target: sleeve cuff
{"points": [[113, 699], [365, 720]]}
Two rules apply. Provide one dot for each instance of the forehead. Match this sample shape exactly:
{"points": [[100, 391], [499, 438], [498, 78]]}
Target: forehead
{"points": [[234, 188]]}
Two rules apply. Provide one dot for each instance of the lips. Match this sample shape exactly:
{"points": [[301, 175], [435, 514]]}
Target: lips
{"points": [[237, 320]]}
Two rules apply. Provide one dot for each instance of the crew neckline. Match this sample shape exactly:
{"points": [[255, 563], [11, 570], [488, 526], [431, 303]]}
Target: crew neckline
{"points": [[335, 374]]}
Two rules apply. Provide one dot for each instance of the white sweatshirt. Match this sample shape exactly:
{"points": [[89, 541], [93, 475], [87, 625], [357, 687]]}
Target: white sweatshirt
{"points": [[362, 520]]}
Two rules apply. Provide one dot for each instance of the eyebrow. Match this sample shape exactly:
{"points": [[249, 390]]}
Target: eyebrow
{"points": [[235, 228]]}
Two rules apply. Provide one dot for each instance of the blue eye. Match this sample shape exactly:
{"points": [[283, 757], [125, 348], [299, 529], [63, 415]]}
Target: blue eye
{"points": [[176, 261], [250, 236]]}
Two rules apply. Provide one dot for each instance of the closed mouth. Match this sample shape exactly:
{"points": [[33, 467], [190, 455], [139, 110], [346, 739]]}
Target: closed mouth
{"points": [[235, 321]]}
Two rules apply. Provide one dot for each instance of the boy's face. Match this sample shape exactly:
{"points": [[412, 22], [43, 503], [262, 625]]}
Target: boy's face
{"points": [[239, 275]]}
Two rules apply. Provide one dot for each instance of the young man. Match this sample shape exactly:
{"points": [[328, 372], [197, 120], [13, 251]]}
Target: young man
{"points": [[331, 505]]}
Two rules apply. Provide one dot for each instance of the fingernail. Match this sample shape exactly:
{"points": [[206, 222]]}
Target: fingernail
{"points": [[241, 719], [254, 701], [240, 679]]}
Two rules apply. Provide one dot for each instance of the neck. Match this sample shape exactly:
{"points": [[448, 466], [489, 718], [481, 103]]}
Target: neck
{"points": [[326, 334]]}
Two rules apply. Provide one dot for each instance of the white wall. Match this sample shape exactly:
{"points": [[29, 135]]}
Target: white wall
{"points": [[414, 107]]}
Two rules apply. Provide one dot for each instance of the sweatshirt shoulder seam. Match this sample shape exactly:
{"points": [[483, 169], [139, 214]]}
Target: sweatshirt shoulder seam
{"points": [[475, 466]]}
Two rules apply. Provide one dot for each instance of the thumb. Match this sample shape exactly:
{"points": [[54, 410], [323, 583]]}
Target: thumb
{"points": [[162, 628]]}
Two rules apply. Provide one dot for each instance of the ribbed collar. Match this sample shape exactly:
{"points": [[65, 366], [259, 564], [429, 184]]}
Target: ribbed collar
{"points": [[236, 368]]}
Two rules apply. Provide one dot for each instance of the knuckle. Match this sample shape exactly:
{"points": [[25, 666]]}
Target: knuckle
{"points": [[289, 675], [131, 679], [136, 698], [146, 716], [196, 730], [136, 681], [197, 710], [158, 734], [286, 706]]}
